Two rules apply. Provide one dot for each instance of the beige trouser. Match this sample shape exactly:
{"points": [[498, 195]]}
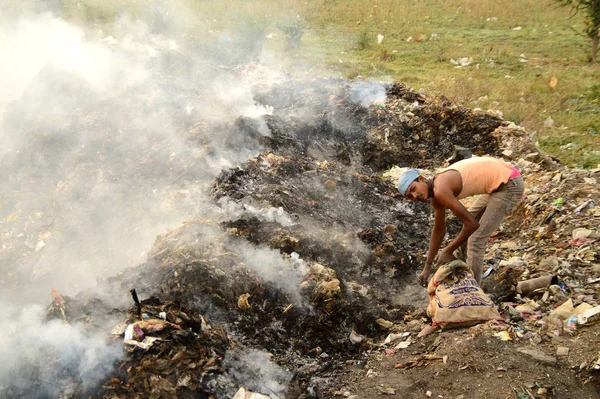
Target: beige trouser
{"points": [[490, 210]]}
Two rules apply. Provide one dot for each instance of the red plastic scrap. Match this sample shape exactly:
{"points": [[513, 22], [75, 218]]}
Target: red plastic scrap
{"points": [[57, 298], [578, 242]]}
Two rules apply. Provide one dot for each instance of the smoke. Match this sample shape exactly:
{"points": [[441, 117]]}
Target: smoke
{"points": [[254, 370], [271, 267], [235, 210], [113, 127], [31, 44], [34, 353], [267, 264], [109, 136], [110, 132], [368, 92]]}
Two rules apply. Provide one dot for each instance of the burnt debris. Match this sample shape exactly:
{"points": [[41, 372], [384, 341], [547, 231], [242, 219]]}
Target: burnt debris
{"points": [[312, 246]]}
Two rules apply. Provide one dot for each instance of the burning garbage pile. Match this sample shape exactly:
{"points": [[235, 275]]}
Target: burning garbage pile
{"points": [[306, 256], [315, 259], [168, 350], [171, 351]]}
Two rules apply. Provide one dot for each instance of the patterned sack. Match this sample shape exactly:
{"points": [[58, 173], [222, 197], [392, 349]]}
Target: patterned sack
{"points": [[455, 299]]}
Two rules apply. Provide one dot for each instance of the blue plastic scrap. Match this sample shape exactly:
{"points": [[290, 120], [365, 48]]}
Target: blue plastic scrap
{"points": [[487, 272], [563, 286]]}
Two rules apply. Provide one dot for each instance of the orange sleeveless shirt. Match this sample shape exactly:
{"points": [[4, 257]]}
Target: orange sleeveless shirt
{"points": [[481, 175]]}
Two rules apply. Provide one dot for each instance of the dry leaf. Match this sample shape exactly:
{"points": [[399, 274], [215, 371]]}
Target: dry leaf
{"points": [[243, 301]]}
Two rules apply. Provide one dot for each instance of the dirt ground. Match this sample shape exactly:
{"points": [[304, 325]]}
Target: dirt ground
{"points": [[471, 363]]}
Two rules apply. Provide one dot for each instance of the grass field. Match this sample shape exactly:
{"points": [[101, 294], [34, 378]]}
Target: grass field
{"points": [[514, 50], [516, 47]]}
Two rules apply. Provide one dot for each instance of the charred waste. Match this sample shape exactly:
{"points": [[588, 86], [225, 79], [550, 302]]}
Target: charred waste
{"points": [[296, 253]]}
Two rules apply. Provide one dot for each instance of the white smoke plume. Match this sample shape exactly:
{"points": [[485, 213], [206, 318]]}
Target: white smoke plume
{"points": [[236, 210], [368, 92], [35, 353], [254, 370], [97, 127], [109, 134], [269, 266], [113, 129]]}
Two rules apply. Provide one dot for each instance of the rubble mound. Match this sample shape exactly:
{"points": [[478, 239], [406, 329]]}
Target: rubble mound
{"points": [[316, 198], [172, 352], [424, 133], [304, 263]]}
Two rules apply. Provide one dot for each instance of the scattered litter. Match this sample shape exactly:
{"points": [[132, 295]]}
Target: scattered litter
{"points": [[562, 351], [41, 244], [421, 361], [461, 62], [355, 337], [503, 336], [243, 302], [242, 393], [532, 285], [384, 324], [128, 333], [529, 307], [404, 344], [565, 310], [146, 343], [586, 315], [487, 272], [584, 205], [569, 146], [387, 391], [394, 337]]}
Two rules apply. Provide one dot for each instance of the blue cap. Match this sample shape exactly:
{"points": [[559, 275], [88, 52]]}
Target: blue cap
{"points": [[405, 179]]}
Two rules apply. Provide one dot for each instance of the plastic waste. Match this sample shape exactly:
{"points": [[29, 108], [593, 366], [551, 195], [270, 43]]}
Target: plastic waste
{"points": [[564, 311], [587, 314], [531, 285], [404, 344], [128, 333], [564, 287], [487, 272], [503, 336], [244, 394], [584, 205]]}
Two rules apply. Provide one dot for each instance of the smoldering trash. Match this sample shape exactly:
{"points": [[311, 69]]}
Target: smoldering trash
{"points": [[292, 253]]}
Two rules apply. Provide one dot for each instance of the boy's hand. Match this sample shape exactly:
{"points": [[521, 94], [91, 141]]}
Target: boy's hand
{"points": [[445, 257], [424, 276]]}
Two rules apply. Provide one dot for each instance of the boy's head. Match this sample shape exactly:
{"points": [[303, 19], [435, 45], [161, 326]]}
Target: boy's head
{"points": [[413, 186]]}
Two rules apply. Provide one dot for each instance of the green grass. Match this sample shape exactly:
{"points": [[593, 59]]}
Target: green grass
{"points": [[341, 38], [496, 79]]}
